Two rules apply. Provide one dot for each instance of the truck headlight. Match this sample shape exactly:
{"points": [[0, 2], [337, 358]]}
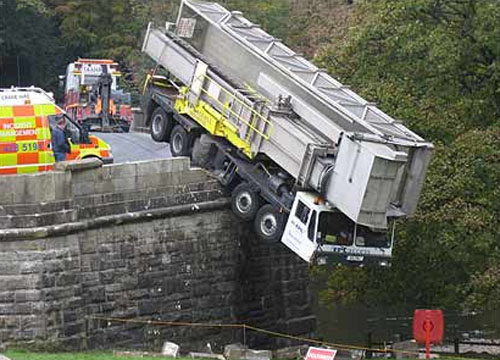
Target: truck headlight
{"points": [[360, 241]]}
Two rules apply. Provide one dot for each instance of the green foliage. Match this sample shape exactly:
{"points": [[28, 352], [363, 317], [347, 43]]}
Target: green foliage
{"points": [[37, 5], [111, 29], [435, 64], [98, 28], [317, 23], [485, 289], [28, 35], [49, 34], [272, 15]]}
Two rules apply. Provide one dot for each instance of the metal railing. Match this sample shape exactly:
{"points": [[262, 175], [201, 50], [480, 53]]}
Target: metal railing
{"points": [[228, 107]]}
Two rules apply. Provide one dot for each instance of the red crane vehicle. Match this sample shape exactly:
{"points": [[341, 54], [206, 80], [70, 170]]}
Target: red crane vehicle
{"points": [[92, 96]]}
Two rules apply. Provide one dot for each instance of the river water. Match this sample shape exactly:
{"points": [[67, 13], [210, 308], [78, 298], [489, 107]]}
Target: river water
{"points": [[352, 325]]}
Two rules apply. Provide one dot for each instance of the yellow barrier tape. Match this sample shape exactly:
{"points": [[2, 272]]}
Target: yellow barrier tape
{"points": [[170, 323], [269, 332]]}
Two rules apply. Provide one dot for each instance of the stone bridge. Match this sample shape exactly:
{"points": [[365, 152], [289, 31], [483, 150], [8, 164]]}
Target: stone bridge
{"points": [[146, 241]]}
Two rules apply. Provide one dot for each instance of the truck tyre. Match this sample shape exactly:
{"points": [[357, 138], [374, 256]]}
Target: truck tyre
{"points": [[245, 201], [180, 142], [160, 125], [124, 126], [269, 223], [201, 153]]}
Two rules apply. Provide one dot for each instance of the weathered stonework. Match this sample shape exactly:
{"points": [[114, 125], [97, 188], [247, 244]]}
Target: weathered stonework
{"points": [[156, 242]]}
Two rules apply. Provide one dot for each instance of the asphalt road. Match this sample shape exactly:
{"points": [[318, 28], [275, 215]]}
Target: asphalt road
{"points": [[134, 146]]}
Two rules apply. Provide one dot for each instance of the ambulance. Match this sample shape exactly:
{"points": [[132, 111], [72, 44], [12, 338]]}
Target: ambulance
{"points": [[27, 116]]}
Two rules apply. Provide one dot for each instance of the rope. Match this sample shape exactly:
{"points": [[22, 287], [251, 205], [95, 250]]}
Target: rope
{"points": [[268, 332]]}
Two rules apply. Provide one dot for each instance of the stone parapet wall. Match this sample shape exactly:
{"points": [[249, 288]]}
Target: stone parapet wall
{"points": [[59, 197], [158, 247]]}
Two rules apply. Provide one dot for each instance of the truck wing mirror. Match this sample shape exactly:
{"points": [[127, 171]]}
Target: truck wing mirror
{"points": [[62, 78]]}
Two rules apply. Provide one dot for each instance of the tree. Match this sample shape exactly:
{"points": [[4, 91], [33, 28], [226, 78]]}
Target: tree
{"points": [[29, 44], [272, 15], [425, 58], [98, 28], [435, 64]]}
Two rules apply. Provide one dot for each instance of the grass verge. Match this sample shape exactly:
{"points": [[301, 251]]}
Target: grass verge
{"points": [[25, 355]]}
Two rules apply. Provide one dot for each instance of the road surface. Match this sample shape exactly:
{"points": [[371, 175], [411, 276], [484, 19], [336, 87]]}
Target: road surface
{"points": [[134, 146]]}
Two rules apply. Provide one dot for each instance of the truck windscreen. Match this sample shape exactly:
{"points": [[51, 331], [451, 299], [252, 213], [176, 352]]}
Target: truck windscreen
{"points": [[337, 229]]}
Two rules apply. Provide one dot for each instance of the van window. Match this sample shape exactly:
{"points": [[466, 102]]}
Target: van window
{"points": [[72, 131], [311, 230], [302, 212]]}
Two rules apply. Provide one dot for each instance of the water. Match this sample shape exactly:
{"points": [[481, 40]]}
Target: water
{"points": [[351, 325]]}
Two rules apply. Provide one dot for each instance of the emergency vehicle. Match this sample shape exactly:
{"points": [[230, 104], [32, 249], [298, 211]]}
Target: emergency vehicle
{"points": [[27, 116], [92, 96]]}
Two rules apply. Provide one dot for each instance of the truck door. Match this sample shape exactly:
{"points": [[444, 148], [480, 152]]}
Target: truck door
{"points": [[300, 230]]}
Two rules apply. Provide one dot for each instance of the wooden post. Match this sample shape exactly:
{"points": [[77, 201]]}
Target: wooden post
{"points": [[369, 345], [427, 328], [456, 343]]}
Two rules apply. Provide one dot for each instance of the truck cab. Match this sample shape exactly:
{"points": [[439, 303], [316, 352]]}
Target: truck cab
{"points": [[318, 232]]}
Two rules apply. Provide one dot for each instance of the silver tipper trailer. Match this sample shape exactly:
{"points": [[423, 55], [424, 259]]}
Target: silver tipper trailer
{"points": [[318, 167]]}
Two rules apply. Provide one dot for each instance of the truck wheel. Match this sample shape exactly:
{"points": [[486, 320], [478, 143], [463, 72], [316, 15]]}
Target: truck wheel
{"points": [[180, 142], [202, 153], [160, 125], [245, 201], [269, 223], [125, 126]]}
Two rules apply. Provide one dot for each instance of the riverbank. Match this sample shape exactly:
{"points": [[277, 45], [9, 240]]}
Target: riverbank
{"points": [[23, 355]]}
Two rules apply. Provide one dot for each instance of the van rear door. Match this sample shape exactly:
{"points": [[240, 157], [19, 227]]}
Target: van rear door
{"points": [[25, 139]]}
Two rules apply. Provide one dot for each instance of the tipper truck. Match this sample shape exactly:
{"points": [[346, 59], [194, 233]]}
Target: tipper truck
{"points": [[309, 161]]}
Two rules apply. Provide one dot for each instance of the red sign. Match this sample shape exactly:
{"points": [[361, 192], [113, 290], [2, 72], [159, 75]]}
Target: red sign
{"points": [[320, 354], [428, 325]]}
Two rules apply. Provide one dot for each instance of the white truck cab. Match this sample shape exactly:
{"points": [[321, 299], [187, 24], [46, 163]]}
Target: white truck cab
{"points": [[317, 232]]}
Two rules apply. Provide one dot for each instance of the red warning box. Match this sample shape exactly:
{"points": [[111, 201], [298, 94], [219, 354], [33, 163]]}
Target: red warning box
{"points": [[428, 325], [314, 353]]}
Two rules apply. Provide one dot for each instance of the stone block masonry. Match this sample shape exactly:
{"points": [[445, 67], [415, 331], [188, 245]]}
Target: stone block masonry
{"points": [[144, 241]]}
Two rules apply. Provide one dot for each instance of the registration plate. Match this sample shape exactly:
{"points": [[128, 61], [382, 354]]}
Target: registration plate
{"points": [[355, 258]]}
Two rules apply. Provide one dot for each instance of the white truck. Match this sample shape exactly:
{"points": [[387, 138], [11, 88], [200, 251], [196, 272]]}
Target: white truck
{"points": [[308, 160]]}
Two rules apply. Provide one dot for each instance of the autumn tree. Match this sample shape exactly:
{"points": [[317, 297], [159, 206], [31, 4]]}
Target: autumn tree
{"points": [[434, 64]]}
